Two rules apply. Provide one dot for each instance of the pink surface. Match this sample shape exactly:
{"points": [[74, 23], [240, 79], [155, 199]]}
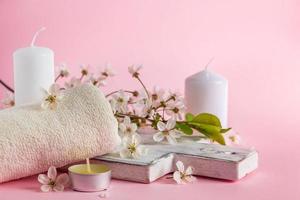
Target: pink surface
{"points": [[255, 43]]}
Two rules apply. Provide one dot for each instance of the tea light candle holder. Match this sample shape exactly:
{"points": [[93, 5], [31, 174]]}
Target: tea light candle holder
{"points": [[90, 177]]}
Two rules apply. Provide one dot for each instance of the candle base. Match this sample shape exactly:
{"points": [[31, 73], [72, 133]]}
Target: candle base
{"points": [[83, 180]]}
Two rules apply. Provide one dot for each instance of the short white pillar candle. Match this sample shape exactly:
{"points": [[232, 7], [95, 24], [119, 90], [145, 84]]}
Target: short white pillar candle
{"points": [[207, 92], [33, 71]]}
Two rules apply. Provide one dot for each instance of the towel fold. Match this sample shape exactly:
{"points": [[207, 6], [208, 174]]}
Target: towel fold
{"points": [[33, 139]]}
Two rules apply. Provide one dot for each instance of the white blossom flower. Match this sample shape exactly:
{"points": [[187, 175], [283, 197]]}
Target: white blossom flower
{"points": [[63, 71], [9, 100], [144, 108], [52, 182], [167, 131], [122, 99], [85, 70], [158, 97], [102, 81], [113, 105], [131, 147], [107, 72], [175, 109], [176, 95], [232, 138], [182, 176], [52, 97], [127, 127], [96, 81], [134, 70], [74, 82]]}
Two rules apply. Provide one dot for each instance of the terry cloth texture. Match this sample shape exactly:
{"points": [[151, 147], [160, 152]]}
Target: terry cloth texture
{"points": [[33, 139]]}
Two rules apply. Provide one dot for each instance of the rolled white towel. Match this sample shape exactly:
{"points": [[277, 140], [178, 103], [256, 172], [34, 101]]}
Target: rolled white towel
{"points": [[33, 139]]}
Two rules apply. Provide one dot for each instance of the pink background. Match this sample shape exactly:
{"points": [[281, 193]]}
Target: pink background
{"points": [[255, 43]]}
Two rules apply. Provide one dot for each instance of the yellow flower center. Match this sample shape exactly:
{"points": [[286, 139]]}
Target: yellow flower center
{"points": [[154, 97], [84, 72], [95, 82], [104, 74], [51, 98], [232, 138], [132, 148], [120, 100], [165, 133], [175, 110], [128, 129]]}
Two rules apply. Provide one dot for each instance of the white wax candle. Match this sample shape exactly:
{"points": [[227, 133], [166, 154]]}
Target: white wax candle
{"points": [[207, 92], [33, 70]]}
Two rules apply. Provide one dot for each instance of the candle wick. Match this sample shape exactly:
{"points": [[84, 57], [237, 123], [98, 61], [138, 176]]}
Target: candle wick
{"points": [[209, 62], [36, 34], [88, 165]]}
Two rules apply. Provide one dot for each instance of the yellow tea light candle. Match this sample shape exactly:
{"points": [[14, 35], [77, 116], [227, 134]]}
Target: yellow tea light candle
{"points": [[90, 177]]}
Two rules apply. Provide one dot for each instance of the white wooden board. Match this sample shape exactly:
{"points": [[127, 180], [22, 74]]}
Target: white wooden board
{"points": [[208, 160]]}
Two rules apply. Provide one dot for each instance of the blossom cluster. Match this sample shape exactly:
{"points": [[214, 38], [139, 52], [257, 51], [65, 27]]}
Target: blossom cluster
{"points": [[162, 110]]}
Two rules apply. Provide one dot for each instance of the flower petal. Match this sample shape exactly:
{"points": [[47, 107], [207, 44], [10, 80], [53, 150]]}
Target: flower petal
{"points": [[171, 124], [45, 105], [189, 170], [125, 153], [141, 150], [52, 173], [43, 179], [45, 188], [161, 126], [134, 128], [180, 166], [122, 127], [62, 179], [158, 137], [54, 89], [177, 177], [171, 139], [190, 178], [175, 134], [127, 120], [136, 155], [58, 188], [136, 139]]}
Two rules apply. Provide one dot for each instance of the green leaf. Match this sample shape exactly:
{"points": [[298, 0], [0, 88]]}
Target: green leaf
{"points": [[210, 131], [225, 130], [209, 119], [189, 117], [184, 128]]}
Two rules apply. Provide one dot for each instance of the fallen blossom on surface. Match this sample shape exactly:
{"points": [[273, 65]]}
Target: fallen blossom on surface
{"points": [[182, 176], [52, 182]]}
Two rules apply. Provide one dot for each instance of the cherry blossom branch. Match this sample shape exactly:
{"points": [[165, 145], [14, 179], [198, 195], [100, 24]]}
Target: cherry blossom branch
{"points": [[141, 82], [133, 116], [56, 79], [114, 92], [6, 86]]}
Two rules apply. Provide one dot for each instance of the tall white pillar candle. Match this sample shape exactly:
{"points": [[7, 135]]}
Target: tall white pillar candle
{"points": [[207, 92], [33, 71]]}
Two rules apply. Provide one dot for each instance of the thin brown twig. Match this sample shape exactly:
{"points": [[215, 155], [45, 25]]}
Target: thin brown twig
{"points": [[6, 86], [128, 91], [133, 116], [138, 78], [56, 79]]}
